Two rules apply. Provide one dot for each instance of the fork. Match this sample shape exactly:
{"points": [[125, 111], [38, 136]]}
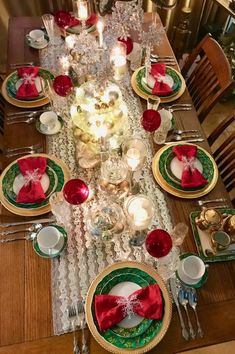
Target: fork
{"points": [[36, 146], [202, 202], [16, 65], [25, 113], [17, 121], [72, 315], [80, 307], [29, 152], [180, 132], [176, 105], [156, 56]]}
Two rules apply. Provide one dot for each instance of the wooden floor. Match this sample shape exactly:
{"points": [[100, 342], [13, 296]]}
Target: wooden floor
{"points": [[222, 348]]}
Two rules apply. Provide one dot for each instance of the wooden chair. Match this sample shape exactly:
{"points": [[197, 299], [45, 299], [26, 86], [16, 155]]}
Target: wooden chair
{"points": [[2, 114], [208, 75], [225, 154]]}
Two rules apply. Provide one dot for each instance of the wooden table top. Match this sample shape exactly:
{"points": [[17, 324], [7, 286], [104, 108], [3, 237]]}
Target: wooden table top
{"points": [[25, 296]]}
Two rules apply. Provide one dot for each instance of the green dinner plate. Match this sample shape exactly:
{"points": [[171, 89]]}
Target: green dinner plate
{"points": [[56, 177], [164, 168], [140, 335], [45, 255], [176, 87], [12, 80]]}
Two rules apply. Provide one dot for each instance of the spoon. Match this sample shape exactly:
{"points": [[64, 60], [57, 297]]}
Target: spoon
{"points": [[183, 300], [192, 299], [33, 228], [16, 121]]}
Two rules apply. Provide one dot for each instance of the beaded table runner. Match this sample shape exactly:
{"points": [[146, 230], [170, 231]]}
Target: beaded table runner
{"points": [[85, 257]]}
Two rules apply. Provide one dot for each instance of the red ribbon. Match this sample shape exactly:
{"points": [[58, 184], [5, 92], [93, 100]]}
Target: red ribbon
{"points": [[64, 19], [32, 168], [158, 71], [146, 302], [28, 88], [191, 176]]}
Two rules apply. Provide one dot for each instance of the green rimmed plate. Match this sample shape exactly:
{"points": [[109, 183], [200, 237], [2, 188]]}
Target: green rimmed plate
{"points": [[14, 78], [142, 343], [203, 279], [165, 170], [56, 179], [172, 73], [55, 254], [35, 211], [117, 277], [221, 256], [78, 29]]}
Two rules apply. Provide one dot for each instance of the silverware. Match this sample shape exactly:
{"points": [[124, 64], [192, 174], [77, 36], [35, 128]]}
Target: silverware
{"points": [[72, 315], [196, 140], [192, 299], [17, 121], [156, 56], [80, 306], [30, 147], [185, 105], [41, 221], [33, 228], [174, 292], [183, 300], [165, 61], [177, 109], [28, 238], [16, 65], [24, 152], [180, 132], [218, 200], [25, 113]]}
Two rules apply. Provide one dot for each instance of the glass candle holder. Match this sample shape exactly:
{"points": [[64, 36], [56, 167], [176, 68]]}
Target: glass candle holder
{"points": [[134, 153], [139, 211], [49, 23], [81, 9], [118, 60], [60, 208]]}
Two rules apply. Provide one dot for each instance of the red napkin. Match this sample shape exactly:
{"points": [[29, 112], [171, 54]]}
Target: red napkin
{"points": [[158, 71], [64, 19], [191, 176], [146, 302], [32, 168], [28, 87], [89, 22]]}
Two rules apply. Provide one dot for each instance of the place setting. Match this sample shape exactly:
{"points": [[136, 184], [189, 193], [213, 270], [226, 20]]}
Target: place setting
{"points": [[37, 39]]}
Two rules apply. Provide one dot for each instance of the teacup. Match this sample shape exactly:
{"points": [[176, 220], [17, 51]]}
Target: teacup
{"points": [[48, 121], [36, 37], [191, 269], [49, 239]]}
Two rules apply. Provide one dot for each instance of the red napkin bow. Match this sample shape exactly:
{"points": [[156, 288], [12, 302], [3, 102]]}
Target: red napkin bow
{"points": [[32, 168], [146, 302], [191, 176], [64, 19], [27, 88], [158, 71]]}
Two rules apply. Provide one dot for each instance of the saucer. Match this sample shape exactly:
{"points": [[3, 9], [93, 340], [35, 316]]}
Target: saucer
{"points": [[43, 45], [55, 130], [192, 284], [55, 252]]}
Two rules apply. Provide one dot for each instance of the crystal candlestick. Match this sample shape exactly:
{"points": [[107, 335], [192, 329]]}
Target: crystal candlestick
{"points": [[118, 60]]}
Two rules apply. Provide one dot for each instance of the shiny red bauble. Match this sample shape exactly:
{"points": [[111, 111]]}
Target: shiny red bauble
{"points": [[75, 191], [128, 42], [158, 243], [151, 120], [63, 85]]}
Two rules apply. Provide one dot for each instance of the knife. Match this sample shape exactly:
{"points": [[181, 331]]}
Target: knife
{"points": [[198, 140], [40, 221], [185, 334]]}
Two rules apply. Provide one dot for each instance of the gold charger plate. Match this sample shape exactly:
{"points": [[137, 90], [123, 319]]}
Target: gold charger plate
{"points": [[144, 95], [21, 104], [31, 212], [182, 194], [167, 308]]}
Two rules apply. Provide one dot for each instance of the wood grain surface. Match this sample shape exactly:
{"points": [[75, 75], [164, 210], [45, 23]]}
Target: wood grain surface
{"points": [[25, 295]]}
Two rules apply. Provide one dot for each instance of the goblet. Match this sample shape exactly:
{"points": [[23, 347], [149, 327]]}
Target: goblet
{"points": [[82, 11], [60, 208], [150, 120], [75, 191], [160, 246], [179, 233], [63, 85], [49, 23]]}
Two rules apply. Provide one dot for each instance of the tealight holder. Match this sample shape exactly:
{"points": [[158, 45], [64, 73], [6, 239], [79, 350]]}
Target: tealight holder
{"points": [[134, 153], [139, 212], [118, 60]]}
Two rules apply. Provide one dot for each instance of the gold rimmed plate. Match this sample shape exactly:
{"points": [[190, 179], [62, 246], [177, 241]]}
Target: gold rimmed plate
{"points": [[165, 322], [40, 209], [183, 193], [140, 91]]}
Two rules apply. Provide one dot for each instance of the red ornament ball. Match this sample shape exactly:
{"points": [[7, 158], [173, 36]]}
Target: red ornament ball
{"points": [[75, 191], [158, 243], [151, 120], [128, 42], [63, 85]]}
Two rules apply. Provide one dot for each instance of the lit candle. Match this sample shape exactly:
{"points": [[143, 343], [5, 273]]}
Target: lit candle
{"points": [[82, 10], [64, 62], [140, 217], [133, 158], [139, 210], [118, 58], [100, 27], [70, 41]]}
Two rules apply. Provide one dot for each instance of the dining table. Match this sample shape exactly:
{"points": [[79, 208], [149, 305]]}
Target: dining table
{"points": [[26, 322]]}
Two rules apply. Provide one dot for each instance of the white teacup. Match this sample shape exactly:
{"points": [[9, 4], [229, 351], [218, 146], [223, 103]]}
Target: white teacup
{"points": [[48, 121], [36, 37], [49, 239], [191, 269]]}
